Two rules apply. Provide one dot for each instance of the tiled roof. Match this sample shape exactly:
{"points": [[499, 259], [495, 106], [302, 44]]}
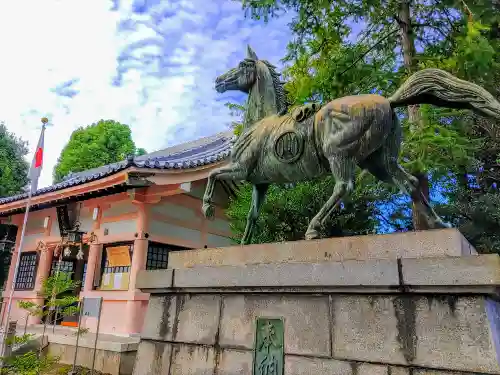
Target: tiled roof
{"points": [[203, 151]]}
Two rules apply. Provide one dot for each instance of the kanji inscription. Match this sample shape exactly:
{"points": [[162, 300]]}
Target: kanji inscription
{"points": [[269, 357]]}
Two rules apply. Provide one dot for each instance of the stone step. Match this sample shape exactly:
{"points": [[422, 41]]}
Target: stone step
{"points": [[478, 274], [431, 243]]}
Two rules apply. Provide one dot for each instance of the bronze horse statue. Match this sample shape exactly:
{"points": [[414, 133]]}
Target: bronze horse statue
{"points": [[280, 147]]}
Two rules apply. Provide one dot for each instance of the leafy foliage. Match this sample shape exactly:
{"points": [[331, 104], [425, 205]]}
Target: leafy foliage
{"points": [[102, 143], [440, 144], [54, 290], [471, 188], [477, 216], [288, 210], [13, 166], [238, 111], [28, 363]]}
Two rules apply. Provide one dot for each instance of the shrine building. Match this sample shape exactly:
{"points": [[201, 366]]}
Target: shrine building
{"points": [[106, 224]]}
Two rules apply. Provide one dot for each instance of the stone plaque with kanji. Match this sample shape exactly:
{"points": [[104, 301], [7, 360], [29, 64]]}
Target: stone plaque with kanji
{"points": [[269, 351]]}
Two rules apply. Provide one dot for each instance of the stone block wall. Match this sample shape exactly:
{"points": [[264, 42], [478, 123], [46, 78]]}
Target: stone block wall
{"points": [[324, 334], [350, 306], [106, 361]]}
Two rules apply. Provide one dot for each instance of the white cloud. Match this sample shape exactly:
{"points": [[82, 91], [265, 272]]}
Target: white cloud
{"points": [[168, 57]]}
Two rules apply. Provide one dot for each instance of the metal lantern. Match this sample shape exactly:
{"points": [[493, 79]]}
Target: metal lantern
{"points": [[7, 237], [79, 254], [75, 236], [6, 244], [8, 234]]}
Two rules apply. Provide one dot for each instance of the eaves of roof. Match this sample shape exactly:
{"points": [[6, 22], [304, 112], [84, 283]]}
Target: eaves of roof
{"points": [[204, 151]]}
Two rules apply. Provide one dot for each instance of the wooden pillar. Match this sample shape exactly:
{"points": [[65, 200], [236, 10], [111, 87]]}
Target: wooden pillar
{"points": [[135, 313], [44, 265], [42, 273], [140, 252], [12, 267], [95, 251], [19, 222], [134, 308], [139, 257]]}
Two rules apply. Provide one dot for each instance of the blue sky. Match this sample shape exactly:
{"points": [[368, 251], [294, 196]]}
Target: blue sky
{"points": [[149, 64]]}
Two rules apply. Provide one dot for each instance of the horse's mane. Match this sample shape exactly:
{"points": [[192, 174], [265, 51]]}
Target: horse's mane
{"points": [[281, 100]]}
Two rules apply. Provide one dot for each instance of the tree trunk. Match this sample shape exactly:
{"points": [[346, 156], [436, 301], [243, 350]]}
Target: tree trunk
{"points": [[414, 115]]}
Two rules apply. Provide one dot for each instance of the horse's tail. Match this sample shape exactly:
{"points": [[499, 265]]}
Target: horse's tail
{"points": [[437, 87]]}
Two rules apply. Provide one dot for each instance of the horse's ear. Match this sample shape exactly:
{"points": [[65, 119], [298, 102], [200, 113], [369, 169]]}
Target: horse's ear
{"points": [[251, 54]]}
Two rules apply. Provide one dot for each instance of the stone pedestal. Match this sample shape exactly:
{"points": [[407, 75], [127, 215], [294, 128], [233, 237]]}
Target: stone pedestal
{"points": [[368, 309]]}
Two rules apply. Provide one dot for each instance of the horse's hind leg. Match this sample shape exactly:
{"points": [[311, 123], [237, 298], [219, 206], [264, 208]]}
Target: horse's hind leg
{"points": [[233, 171], [343, 169], [383, 164], [402, 178], [258, 197]]}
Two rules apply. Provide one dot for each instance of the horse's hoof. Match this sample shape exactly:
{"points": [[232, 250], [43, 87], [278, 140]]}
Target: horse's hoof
{"points": [[208, 210], [312, 234]]}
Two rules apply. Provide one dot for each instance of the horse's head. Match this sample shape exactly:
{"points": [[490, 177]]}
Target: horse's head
{"points": [[240, 78]]}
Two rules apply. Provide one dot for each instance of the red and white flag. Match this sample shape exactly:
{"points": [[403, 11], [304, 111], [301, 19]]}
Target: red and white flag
{"points": [[37, 163]]}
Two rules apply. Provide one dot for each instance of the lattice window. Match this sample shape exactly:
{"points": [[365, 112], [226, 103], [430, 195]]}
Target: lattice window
{"points": [[106, 268], [66, 267], [26, 273], [157, 258]]}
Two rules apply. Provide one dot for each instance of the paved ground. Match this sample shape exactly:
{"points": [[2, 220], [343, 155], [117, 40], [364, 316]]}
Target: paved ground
{"points": [[64, 369], [50, 331], [67, 336]]}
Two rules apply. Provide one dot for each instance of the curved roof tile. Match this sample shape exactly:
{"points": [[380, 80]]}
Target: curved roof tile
{"points": [[203, 151]]}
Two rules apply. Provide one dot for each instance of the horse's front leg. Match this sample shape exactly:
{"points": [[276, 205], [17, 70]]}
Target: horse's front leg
{"points": [[343, 170], [233, 171], [258, 197]]}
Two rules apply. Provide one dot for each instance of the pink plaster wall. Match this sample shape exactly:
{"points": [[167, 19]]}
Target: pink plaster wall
{"points": [[17, 314], [122, 312], [112, 318], [119, 317]]}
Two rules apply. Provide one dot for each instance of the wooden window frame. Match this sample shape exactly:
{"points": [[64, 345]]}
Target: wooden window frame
{"points": [[102, 260], [151, 263], [105, 269], [34, 273]]}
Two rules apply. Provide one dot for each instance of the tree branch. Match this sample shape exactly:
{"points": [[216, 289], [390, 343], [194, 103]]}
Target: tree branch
{"points": [[388, 222], [363, 55], [448, 17], [468, 11], [417, 25]]}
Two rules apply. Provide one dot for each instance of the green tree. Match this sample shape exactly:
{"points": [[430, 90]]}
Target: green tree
{"points": [[287, 211], [472, 192], [102, 143], [237, 111], [470, 183], [13, 166]]}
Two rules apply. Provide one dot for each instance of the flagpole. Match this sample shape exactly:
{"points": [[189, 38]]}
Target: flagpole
{"points": [[18, 259]]}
